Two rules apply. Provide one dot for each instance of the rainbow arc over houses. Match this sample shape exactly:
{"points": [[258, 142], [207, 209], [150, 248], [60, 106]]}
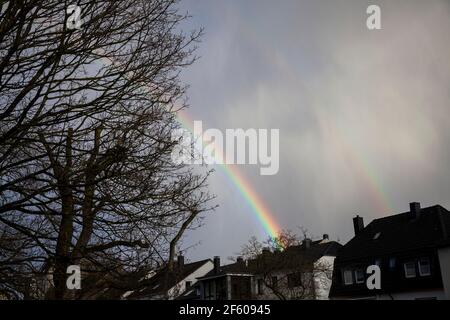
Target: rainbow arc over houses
{"points": [[259, 208]]}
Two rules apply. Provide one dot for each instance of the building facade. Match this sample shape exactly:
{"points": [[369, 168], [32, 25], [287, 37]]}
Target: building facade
{"points": [[411, 249], [178, 283], [298, 272]]}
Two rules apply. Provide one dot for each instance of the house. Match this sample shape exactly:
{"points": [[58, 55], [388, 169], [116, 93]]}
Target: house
{"points": [[229, 282], [298, 272], [412, 250], [178, 283]]}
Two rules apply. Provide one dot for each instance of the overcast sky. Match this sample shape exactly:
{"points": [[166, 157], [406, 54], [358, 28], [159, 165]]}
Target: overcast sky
{"points": [[364, 116]]}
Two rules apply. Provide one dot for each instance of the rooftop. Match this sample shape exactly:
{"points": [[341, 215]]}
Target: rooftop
{"points": [[401, 232], [165, 279], [291, 257]]}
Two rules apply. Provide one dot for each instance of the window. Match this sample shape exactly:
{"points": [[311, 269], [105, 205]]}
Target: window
{"points": [[359, 276], [392, 263], [235, 292], [260, 286], [208, 290], [188, 284], [424, 267], [410, 270], [221, 289], [274, 282], [348, 277], [294, 279]]}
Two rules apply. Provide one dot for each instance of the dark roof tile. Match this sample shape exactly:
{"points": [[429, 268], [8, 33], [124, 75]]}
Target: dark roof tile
{"points": [[156, 284], [399, 233]]}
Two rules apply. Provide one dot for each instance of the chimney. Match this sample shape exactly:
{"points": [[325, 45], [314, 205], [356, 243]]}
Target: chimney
{"points": [[180, 261], [240, 260], [307, 243], [326, 237], [414, 210], [358, 224], [216, 265], [265, 251]]}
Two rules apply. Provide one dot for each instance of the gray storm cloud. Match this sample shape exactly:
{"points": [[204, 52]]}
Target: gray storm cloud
{"points": [[363, 115]]}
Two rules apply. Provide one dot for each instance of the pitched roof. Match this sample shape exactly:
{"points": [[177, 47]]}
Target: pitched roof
{"points": [[238, 268], [290, 258], [189, 294], [399, 233], [317, 250], [157, 284], [398, 238], [297, 256]]}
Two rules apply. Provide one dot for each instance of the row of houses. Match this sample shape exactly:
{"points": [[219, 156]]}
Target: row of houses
{"points": [[411, 249]]}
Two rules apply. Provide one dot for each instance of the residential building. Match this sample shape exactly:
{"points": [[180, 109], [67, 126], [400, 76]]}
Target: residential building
{"points": [[298, 272], [412, 250], [178, 283], [230, 282]]}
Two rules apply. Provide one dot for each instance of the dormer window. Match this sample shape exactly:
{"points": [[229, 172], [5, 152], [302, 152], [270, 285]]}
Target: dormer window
{"points": [[424, 267], [348, 277], [410, 270]]}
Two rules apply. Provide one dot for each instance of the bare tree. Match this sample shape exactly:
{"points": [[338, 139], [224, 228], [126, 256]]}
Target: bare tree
{"points": [[86, 118], [12, 260]]}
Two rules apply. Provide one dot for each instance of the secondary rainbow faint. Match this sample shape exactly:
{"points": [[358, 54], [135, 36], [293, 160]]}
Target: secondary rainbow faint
{"points": [[260, 209], [362, 167]]}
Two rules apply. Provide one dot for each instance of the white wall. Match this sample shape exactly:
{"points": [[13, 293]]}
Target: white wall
{"points": [[323, 280], [444, 260], [268, 294], [181, 286]]}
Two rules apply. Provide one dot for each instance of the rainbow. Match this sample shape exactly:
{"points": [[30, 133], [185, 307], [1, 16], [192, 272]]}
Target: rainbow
{"points": [[366, 173], [256, 204], [260, 209], [364, 170]]}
